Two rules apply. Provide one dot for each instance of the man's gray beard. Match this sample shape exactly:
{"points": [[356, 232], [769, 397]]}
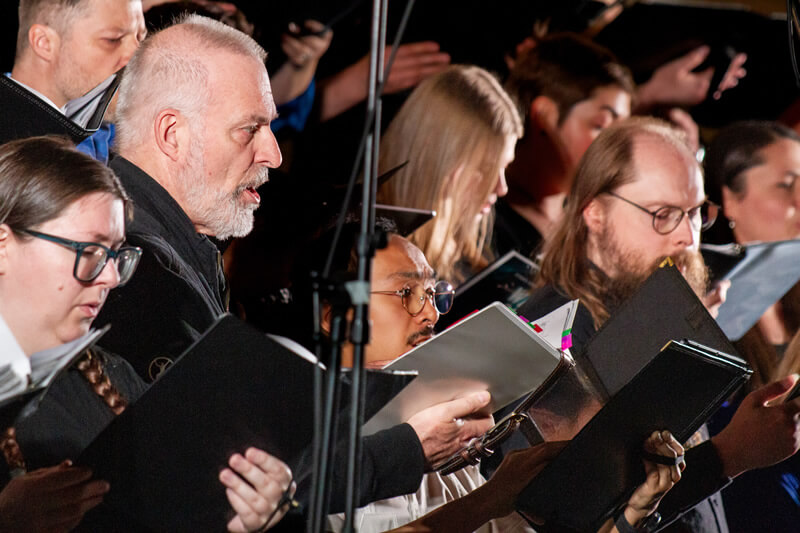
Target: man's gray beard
{"points": [[632, 270], [215, 209]]}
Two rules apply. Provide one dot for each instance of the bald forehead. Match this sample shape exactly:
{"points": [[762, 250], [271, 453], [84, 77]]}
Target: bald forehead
{"points": [[651, 150], [666, 167]]}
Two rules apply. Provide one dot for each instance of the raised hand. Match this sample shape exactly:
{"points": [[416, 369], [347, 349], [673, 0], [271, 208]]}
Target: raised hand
{"points": [[674, 83], [305, 50], [761, 432], [413, 63]]}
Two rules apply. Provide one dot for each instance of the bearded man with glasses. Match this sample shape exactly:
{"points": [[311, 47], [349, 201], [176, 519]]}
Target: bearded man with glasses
{"points": [[638, 198]]}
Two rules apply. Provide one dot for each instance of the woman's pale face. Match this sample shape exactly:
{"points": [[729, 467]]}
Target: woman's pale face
{"points": [[587, 119], [501, 187], [43, 304], [767, 210]]}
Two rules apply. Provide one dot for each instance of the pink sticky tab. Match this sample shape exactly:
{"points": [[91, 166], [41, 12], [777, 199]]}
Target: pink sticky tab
{"points": [[566, 342]]}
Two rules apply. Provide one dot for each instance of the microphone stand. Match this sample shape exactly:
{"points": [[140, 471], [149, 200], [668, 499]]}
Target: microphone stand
{"points": [[351, 293], [359, 289]]}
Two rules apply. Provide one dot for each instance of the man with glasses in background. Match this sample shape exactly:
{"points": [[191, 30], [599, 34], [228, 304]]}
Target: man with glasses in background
{"points": [[638, 198], [405, 304]]}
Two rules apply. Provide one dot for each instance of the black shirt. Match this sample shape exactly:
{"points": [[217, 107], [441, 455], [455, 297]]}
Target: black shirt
{"points": [[513, 232]]}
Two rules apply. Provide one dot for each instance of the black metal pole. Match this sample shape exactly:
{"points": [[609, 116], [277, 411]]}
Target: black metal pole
{"points": [[317, 480], [359, 293], [326, 392]]}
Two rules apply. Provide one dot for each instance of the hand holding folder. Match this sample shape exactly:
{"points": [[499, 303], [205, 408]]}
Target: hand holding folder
{"points": [[650, 386], [232, 389], [599, 469], [49, 499], [761, 432]]}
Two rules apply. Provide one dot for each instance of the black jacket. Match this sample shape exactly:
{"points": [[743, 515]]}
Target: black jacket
{"points": [[23, 115]]}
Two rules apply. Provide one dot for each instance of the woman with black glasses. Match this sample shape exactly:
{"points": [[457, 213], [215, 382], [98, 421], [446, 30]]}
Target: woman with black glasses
{"points": [[62, 233]]}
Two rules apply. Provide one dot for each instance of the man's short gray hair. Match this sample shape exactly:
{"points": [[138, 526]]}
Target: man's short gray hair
{"points": [[58, 14], [168, 71]]}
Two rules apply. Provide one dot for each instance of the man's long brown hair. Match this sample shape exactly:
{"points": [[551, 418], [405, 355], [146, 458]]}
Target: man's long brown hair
{"points": [[606, 165]]}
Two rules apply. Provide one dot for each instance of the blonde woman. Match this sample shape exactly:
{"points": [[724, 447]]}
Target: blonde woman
{"points": [[457, 131]]}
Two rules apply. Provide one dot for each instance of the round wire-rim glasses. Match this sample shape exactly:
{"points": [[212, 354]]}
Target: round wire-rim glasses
{"points": [[415, 296], [667, 218]]}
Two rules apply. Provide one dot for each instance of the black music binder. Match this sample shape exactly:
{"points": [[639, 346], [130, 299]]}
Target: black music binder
{"points": [[601, 466], [664, 308], [234, 388]]}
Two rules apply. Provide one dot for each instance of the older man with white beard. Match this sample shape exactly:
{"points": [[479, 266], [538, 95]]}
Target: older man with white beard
{"points": [[194, 144], [194, 141]]}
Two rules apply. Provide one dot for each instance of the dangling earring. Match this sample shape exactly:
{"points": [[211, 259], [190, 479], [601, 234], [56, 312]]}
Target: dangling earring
{"points": [[731, 224]]}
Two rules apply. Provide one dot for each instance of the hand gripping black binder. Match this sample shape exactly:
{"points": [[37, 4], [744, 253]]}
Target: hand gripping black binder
{"points": [[654, 379], [232, 389], [601, 467]]}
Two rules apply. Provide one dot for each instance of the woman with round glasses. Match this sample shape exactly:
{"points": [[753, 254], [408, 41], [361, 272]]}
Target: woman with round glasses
{"points": [[753, 167], [62, 233], [457, 131]]}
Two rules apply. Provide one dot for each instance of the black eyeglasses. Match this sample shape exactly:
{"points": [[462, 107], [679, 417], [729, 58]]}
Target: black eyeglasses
{"points": [[91, 257], [415, 296], [667, 218]]}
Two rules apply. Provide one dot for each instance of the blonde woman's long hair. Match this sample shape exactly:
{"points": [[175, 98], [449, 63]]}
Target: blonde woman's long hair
{"points": [[452, 130]]}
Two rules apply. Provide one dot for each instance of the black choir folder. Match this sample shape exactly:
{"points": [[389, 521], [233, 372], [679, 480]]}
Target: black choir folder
{"points": [[234, 388], [653, 382], [600, 468], [664, 308]]}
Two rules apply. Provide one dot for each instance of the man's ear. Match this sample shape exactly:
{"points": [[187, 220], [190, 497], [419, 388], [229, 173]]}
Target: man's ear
{"points": [[543, 114], [730, 203], [171, 131], [44, 41], [5, 238], [594, 215]]}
